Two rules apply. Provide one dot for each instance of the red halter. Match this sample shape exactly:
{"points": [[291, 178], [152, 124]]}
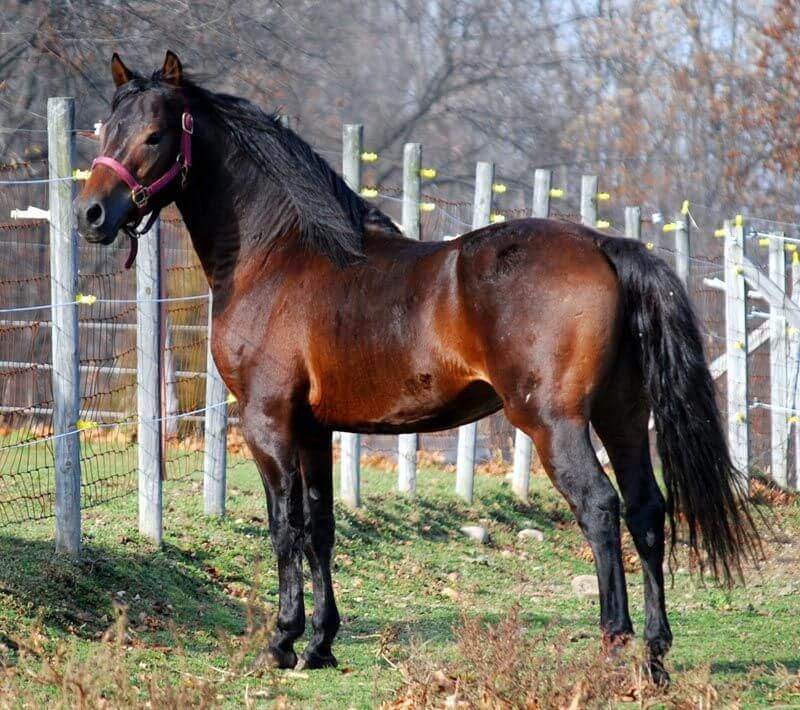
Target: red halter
{"points": [[141, 194]]}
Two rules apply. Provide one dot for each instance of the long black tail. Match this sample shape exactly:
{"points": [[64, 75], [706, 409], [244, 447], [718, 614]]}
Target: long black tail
{"points": [[702, 483]]}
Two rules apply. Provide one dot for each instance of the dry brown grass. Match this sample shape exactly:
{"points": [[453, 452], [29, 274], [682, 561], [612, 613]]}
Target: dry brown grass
{"points": [[38, 668], [503, 666]]}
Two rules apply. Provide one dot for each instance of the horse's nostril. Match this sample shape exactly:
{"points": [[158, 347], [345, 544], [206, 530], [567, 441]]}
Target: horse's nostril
{"points": [[95, 214]]}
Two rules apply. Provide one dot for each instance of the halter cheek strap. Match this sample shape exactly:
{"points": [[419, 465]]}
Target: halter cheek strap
{"points": [[141, 194]]}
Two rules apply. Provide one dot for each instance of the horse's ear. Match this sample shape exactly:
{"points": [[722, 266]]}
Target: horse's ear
{"points": [[120, 73], [172, 71]]}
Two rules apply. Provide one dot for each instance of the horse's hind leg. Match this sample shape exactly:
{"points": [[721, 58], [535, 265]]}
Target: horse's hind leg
{"points": [[620, 417], [565, 450], [316, 465]]}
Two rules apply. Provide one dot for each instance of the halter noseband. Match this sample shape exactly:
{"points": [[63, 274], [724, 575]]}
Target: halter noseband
{"points": [[141, 194]]}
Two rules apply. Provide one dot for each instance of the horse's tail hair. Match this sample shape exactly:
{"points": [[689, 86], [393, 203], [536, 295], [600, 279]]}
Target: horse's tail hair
{"points": [[703, 486]]}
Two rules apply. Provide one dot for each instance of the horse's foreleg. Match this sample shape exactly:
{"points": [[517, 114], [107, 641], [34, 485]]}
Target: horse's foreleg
{"points": [[317, 468], [269, 439]]}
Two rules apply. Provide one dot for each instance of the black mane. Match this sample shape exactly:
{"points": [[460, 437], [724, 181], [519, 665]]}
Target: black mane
{"points": [[312, 197]]}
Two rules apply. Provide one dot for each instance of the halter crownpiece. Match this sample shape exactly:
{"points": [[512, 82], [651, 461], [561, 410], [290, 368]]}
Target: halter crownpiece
{"points": [[141, 194]]}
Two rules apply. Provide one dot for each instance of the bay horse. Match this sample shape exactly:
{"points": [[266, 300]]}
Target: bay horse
{"points": [[325, 317]]}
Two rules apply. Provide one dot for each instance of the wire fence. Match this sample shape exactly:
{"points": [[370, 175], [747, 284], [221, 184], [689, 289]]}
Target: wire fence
{"points": [[107, 359]]}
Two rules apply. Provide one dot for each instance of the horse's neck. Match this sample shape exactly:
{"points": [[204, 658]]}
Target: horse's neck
{"points": [[217, 213]]}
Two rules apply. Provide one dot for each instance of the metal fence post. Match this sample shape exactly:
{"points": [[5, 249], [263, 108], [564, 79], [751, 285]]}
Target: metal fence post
{"points": [[216, 433], [148, 383], [778, 376], [736, 346], [633, 223], [63, 289], [350, 443], [589, 200], [523, 447], [468, 433], [407, 443]]}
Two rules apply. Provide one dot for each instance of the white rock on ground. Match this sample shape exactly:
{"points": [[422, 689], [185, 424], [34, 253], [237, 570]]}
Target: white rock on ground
{"points": [[477, 533], [531, 534], [585, 585]]}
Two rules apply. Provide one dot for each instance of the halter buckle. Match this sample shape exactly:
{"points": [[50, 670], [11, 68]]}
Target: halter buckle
{"points": [[140, 196], [187, 122]]}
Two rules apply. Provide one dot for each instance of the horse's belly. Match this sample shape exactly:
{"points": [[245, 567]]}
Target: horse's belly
{"points": [[413, 405]]}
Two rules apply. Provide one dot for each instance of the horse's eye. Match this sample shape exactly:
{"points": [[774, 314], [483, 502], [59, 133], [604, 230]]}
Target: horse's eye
{"points": [[153, 138]]}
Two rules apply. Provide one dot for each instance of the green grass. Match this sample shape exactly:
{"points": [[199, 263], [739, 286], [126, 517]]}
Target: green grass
{"points": [[404, 574]]}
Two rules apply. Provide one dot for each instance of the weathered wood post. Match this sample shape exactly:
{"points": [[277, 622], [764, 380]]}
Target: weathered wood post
{"points": [[350, 444], [148, 383], [523, 448], [682, 245], [412, 165], [468, 433], [736, 346], [589, 200], [63, 290], [169, 383], [633, 223], [794, 339], [215, 458], [778, 364]]}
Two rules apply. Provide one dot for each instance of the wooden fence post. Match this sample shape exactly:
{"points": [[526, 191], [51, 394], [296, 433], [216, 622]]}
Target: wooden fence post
{"points": [[350, 443], [215, 458], [169, 382], [633, 223], [589, 200], [778, 364], [523, 446], [682, 247], [63, 290], [468, 433], [148, 383], [736, 347], [794, 340], [407, 443]]}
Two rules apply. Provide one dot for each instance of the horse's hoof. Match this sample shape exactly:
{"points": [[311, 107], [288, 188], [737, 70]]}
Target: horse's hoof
{"points": [[277, 658], [658, 674], [313, 660]]}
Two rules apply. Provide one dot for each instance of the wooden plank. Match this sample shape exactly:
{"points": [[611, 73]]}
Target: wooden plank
{"points": [[148, 384], [215, 457], [407, 443], [523, 446], [468, 433], [63, 290], [350, 443]]}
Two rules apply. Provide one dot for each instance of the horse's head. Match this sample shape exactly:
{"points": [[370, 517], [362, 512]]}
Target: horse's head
{"points": [[145, 153]]}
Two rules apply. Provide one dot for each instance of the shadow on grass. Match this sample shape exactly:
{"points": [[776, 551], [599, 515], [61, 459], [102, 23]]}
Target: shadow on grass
{"points": [[168, 588], [392, 517]]}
